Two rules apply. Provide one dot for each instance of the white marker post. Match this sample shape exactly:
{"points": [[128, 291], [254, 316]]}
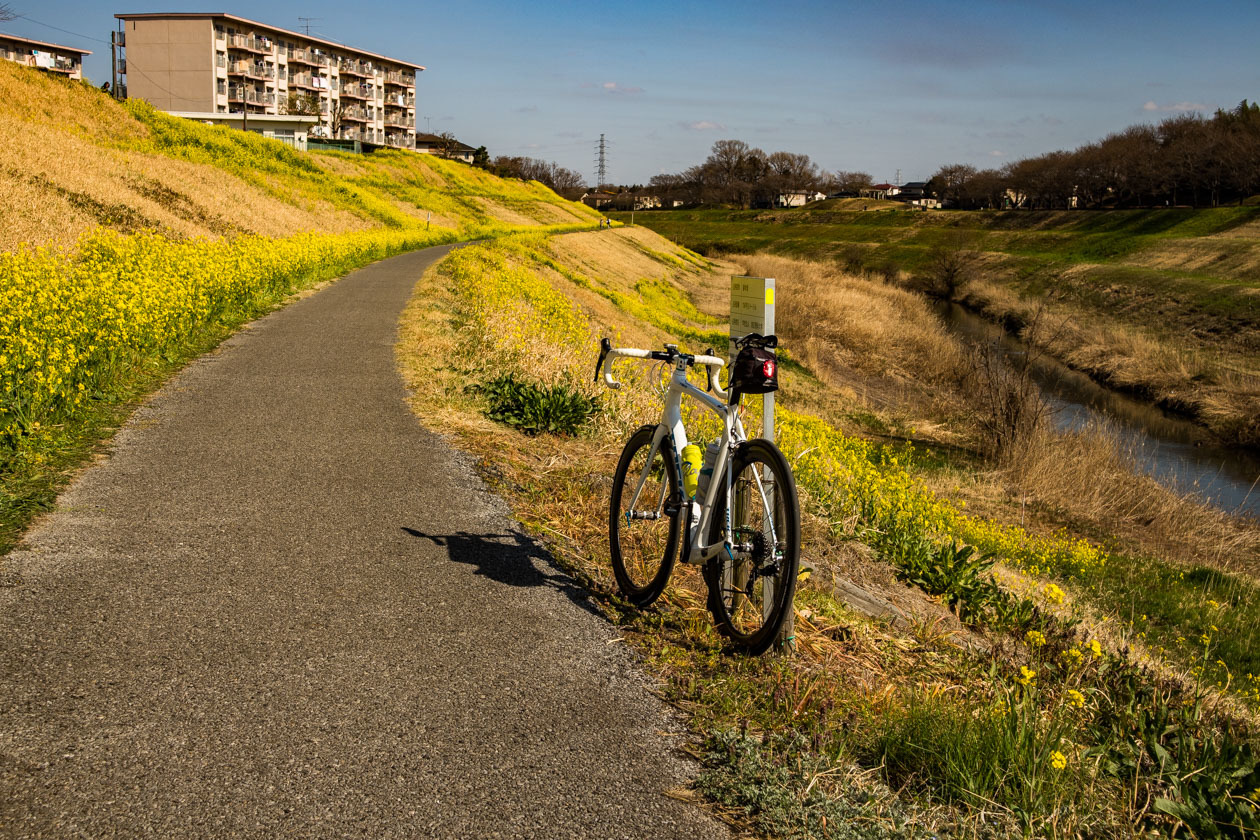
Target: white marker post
{"points": [[752, 311]]}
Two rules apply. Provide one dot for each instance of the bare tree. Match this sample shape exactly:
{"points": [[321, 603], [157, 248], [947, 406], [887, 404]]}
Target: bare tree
{"points": [[851, 182], [949, 184], [336, 116], [564, 181], [1007, 402], [789, 172], [306, 104]]}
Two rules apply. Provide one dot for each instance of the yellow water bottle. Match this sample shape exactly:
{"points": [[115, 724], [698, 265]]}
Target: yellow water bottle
{"points": [[691, 459]]}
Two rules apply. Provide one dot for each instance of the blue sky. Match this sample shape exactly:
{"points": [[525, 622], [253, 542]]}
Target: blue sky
{"points": [[903, 85]]}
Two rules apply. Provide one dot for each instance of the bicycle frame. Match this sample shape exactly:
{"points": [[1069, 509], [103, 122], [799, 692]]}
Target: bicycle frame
{"points": [[671, 429]]}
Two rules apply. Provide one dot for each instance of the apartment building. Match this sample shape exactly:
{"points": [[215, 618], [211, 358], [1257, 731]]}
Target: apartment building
{"points": [[221, 64], [51, 57]]}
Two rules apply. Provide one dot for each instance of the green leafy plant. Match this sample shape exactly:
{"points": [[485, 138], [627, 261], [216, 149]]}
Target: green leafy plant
{"points": [[534, 409], [1202, 773]]}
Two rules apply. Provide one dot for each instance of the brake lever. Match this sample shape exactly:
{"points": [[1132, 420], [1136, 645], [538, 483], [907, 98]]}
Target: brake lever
{"points": [[708, 369], [605, 347]]}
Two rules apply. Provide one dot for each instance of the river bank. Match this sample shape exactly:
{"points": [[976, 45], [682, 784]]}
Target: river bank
{"points": [[1178, 452]]}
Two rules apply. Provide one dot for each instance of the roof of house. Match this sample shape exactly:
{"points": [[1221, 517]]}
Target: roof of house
{"points": [[435, 140], [33, 42], [248, 22]]}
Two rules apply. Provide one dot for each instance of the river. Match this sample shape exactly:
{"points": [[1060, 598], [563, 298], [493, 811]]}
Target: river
{"points": [[1174, 450]]}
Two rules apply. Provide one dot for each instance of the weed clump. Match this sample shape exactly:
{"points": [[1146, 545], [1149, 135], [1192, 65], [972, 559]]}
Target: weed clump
{"points": [[535, 409], [786, 790]]}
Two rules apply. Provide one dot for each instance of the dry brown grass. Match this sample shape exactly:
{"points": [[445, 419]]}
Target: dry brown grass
{"points": [[619, 258], [62, 184], [1093, 478], [876, 329], [1218, 387], [877, 347], [38, 98], [1226, 255]]}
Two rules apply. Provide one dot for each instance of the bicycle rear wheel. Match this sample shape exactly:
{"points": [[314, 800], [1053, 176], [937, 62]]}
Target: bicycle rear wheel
{"points": [[751, 592], [644, 518]]}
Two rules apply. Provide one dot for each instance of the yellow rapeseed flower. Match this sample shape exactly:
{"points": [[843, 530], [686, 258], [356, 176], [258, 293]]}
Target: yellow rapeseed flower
{"points": [[1076, 698], [1035, 638], [1058, 760], [1027, 676]]}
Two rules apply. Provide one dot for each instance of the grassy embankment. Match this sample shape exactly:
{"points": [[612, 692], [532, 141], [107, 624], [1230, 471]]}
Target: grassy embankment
{"points": [[990, 708], [131, 241], [1163, 303]]}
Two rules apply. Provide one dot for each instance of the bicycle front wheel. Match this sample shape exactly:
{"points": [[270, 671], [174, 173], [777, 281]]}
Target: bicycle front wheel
{"points": [[644, 518], [751, 589]]}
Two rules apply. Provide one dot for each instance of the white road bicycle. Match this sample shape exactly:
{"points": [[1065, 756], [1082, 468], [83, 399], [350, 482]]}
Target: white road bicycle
{"points": [[744, 526]]}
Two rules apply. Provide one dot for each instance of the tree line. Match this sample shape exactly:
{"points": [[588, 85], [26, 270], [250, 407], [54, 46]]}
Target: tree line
{"points": [[1185, 159], [563, 181], [736, 173]]}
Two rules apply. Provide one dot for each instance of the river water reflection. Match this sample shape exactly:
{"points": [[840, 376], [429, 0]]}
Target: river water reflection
{"points": [[1173, 450]]}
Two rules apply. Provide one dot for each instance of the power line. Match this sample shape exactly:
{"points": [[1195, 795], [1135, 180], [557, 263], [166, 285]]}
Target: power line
{"points": [[67, 31]]}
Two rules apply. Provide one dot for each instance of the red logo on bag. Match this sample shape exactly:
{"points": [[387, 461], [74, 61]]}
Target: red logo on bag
{"points": [[767, 369]]}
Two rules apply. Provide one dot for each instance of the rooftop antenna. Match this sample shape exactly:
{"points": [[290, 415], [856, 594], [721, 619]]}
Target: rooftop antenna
{"points": [[306, 23]]}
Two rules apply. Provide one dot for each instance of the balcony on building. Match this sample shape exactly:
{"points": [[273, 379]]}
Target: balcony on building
{"points": [[353, 91], [251, 70], [249, 43], [311, 58], [250, 96], [350, 67], [51, 57], [398, 119], [397, 78], [400, 140]]}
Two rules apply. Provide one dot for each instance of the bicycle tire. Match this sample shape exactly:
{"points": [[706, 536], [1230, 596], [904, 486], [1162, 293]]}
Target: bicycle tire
{"points": [[644, 549], [743, 610]]}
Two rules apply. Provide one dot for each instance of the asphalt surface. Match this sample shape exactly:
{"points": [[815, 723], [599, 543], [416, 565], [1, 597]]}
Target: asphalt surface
{"points": [[282, 608]]}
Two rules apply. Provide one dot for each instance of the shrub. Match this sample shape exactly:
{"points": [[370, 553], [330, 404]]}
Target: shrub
{"points": [[558, 409]]}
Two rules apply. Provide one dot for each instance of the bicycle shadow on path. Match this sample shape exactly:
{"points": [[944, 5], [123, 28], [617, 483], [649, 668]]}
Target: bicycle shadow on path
{"points": [[511, 559]]}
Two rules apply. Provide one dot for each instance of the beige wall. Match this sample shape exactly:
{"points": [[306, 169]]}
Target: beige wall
{"points": [[171, 63]]}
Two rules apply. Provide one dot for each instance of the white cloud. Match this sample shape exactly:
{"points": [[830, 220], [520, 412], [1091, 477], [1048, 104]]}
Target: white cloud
{"points": [[703, 125], [614, 87], [1152, 105]]}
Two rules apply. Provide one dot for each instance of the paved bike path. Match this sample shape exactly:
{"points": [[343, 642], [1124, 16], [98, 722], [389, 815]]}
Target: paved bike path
{"points": [[283, 608]]}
